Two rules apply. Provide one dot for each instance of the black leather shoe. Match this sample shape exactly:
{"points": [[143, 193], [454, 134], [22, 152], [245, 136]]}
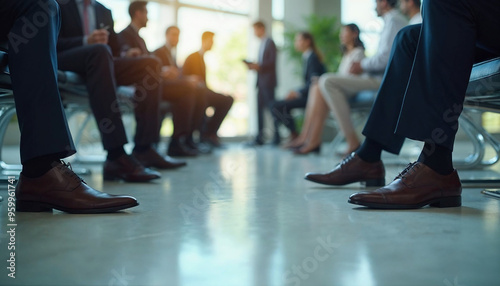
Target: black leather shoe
{"points": [[177, 148], [127, 168], [151, 158], [61, 189]]}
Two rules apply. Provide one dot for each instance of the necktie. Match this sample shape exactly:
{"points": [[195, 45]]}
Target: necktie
{"points": [[86, 22]]}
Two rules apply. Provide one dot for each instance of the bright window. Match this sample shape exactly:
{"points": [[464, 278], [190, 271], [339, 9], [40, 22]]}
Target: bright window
{"points": [[362, 13]]}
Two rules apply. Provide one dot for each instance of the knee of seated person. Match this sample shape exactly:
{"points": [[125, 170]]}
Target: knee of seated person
{"points": [[153, 62], [101, 50]]}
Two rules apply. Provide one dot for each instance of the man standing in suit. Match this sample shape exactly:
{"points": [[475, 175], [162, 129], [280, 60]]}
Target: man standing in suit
{"points": [[181, 94], [194, 66], [174, 77], [45, 182], [266, 76], [86, 39], [421, 97]]}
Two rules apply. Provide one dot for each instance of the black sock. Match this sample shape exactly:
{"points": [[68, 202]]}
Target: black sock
{"points": [[437, 157], [141, 148], [37, 167], [370, 151], [115, 153]]}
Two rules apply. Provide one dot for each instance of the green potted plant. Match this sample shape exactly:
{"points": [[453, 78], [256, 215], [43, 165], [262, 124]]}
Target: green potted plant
{"points": [[326, 32]]}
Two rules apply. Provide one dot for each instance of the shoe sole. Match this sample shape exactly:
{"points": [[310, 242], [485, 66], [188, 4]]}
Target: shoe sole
{"points": [[367, 183], [448, 202], [27, 206], [117, 178]]}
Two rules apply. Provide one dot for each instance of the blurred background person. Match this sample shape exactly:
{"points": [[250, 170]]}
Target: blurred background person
{"points": [[195, 66], [175, 79], [411, 8], [313, 67], [337, 88], [180, 95], [266, 76], [353, 50]]}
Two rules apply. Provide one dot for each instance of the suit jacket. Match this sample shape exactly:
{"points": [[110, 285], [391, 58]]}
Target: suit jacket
{"points": [[313, 67], [71, 34], [266, 76], [195, 65], [129, 39], [165, 56]]}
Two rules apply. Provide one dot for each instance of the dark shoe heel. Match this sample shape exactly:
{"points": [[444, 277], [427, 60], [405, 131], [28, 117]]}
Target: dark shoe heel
{"points": [[449, 202], [31, 207], [374, 182], [110, 178]]}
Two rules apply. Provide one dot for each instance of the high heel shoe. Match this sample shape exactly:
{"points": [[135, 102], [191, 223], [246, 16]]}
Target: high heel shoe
{"points": [[300, 151]]}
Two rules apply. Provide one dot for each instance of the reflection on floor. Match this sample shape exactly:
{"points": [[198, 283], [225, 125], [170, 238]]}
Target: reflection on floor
{"points": [[245, 216]]}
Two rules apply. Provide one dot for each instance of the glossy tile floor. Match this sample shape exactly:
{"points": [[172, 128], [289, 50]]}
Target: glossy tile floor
{"points": [[245, 216]]}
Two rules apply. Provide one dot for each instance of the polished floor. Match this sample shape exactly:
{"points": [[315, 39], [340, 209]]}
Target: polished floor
{"points": [[245, 216]]}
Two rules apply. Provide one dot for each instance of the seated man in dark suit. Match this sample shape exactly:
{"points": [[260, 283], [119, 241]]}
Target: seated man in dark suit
{"points": [[84, 47], [313, 67], [421, 97], [195, 66], [180, 94], [46, 182], [174, 77]]}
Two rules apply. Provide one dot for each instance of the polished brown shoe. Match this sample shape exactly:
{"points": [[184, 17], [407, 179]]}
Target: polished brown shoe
{"points": [[352, 169], [61, 189], [417, 186], [127, 168], [151, 158]]}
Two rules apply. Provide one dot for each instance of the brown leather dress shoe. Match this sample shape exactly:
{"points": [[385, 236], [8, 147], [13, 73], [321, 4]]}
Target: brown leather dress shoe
{"points": [[417, 186], [151, 158], [63, 190], [127, 168], [352, 169]]}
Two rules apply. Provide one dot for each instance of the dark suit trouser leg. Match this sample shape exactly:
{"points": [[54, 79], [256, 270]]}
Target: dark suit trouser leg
{"points": [[221, 104], [182, 98], [201, 104], [281, 111], [95, 64], [435, 91], [144, 74], [386, 108], [265, 98], [450, 32], [33, 67]]}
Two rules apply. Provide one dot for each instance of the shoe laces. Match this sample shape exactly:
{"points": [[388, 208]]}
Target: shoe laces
{"points": [[67, 169], [347, 159], [410, 169]]}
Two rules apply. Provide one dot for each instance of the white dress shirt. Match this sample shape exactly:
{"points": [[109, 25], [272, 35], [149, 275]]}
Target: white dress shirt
{"points": [[356, 55], [262, 49], [416, 19], [393, 22]]}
